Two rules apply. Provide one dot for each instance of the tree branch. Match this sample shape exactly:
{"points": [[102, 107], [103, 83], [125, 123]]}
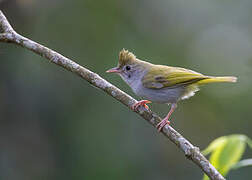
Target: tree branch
{"points": [[190, 151]]}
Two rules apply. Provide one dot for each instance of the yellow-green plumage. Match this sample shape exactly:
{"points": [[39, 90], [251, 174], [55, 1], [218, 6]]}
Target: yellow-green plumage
{"points": [[160, 76], [212, 79]]}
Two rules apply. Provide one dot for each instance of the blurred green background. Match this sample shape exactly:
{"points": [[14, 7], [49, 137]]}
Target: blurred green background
{"points": [[54, 125]]}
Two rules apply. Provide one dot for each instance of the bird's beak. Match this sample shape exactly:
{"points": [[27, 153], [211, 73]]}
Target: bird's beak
{"points": [[114, 70]]}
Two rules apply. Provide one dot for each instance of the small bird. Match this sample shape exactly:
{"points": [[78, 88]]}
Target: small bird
{"points": [[160, 83]]}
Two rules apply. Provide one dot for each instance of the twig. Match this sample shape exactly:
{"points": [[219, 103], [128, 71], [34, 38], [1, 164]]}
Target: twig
{"points": [[190, 151]]}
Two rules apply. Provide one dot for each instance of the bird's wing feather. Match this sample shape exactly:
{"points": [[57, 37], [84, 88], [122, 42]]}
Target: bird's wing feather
{"points": [[165, 76]]}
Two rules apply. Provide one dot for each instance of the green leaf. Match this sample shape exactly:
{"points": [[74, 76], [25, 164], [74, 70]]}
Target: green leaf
{"points": [[226, 152], [243, 163], [215, 148], [213, 145]]}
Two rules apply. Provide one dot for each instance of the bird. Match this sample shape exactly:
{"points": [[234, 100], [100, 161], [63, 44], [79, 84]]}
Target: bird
{"points": [[160, 83]]}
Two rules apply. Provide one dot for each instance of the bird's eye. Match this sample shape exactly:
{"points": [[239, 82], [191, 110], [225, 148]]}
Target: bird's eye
{"points": [[127, 68]]}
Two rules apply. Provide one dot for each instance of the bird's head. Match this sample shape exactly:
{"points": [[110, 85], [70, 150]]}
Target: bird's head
{"points": [[129, 67]]}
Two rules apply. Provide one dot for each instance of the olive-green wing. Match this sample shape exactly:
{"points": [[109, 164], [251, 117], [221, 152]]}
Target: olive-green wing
{"points": [[165, 76]]}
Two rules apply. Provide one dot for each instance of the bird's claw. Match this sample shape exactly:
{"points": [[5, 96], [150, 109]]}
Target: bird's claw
{"points": [[135, 106], [161, 124]]}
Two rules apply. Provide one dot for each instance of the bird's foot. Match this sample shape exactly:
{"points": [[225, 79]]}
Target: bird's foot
{"points": [[166, 119], [162, 124], [140, 103]]}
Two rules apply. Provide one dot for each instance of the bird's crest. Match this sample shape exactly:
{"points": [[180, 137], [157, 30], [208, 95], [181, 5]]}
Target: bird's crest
{"points": [[126, 57]]}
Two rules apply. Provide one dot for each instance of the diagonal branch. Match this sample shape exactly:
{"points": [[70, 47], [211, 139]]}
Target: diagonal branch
{"points": [[190, 151]]}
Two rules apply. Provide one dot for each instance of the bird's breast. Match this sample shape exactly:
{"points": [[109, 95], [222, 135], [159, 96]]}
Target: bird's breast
{"points": [[163, 95]]}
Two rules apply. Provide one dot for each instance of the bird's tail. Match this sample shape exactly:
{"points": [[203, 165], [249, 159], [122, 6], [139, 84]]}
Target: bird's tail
{"points": [[212, 79]]}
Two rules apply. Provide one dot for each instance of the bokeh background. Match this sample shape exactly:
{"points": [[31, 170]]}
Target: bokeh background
{"points": [[54, 125]]}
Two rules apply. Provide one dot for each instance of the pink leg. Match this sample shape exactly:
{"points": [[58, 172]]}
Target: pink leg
{"points": [[140, 103], [166, 119]]}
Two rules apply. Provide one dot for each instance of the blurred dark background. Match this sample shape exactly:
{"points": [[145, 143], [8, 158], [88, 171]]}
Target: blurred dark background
{"points": [[54, 125]]}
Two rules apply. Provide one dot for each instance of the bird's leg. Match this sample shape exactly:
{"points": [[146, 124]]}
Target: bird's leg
{"points": [[140, 103], [166, 119]]}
